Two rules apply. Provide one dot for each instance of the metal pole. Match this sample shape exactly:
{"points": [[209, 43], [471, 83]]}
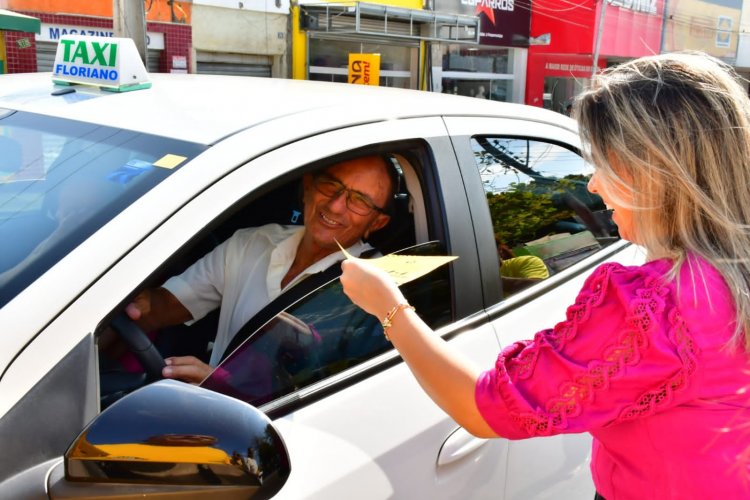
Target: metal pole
{"points": [[599, 28], [665, 19], [129, 21]]}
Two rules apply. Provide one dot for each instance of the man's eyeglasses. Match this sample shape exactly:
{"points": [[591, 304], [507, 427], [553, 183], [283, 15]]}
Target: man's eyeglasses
{"points": [[357, 202]]}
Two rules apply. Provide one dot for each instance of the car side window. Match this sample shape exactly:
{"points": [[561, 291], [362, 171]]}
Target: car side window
{"points": [[320, 336], [544, 219], [318, 332]]}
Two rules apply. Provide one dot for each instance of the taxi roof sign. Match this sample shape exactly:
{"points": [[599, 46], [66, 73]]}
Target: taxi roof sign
{"points": [[107, 62]]}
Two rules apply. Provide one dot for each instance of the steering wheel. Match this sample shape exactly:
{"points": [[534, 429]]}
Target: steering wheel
{"points": [[140, 345], [586, 214]]}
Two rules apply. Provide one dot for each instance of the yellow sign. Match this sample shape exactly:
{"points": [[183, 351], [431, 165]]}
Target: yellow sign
{"points": [[405, 268], [364, 69]]}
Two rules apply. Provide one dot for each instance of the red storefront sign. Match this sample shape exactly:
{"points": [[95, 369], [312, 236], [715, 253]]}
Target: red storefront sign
{"points": [[568, 29], [631, 28], [564, 38]]}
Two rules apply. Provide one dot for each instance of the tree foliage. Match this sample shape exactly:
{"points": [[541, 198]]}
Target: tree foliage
{"points": [[524, 211]]}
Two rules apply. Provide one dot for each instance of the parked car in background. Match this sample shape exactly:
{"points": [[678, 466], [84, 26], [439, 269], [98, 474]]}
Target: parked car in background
{"points": [[104, 193]]}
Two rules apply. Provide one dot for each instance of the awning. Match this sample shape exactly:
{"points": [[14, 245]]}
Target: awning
{"points": [[375, 20], [13, 21]]}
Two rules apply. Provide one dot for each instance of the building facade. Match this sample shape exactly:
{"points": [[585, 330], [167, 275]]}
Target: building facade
{"points": [[325, 33], [495, 68], [711, 26], [241, 38], [540, 53], [169, 35], [566, 39], [200, 36]]}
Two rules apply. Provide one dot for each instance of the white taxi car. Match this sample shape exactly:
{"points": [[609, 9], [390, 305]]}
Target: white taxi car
{"points": [[110, 188]]}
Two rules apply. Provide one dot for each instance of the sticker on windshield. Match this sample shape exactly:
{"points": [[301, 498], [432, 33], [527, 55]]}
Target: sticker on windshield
{"points": [[129, 171], [169, 161]]}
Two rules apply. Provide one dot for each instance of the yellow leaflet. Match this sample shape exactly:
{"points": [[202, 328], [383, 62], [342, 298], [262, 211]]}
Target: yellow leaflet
{"points": [[405, 268], [169, 161]]}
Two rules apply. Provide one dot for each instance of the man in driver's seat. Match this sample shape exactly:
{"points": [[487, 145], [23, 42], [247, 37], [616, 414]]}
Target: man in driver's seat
{"points": [[344, 202]]}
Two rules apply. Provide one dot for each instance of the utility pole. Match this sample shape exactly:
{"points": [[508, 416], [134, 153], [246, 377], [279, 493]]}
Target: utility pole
{"points": [[599, 29], [665, 19], [129, 20]]}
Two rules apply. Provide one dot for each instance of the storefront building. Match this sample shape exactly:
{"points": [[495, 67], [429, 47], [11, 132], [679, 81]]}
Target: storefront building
{"points": [[564, 41], [324, 34], [495, 68], [710, 26], [168, 31]]}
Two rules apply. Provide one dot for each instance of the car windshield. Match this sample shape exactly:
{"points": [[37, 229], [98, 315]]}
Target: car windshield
{"points": [[61, 180]]}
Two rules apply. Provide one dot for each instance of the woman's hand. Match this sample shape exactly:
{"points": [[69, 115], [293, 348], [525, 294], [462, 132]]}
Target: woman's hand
{"points": [[446, 376], [369, 287]]}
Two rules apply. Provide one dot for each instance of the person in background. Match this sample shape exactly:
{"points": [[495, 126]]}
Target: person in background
{"points": [[344, 203], [519, 272], [651, 360]]}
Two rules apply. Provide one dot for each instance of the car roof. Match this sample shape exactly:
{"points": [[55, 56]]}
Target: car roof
{"points": [[206, 108]]}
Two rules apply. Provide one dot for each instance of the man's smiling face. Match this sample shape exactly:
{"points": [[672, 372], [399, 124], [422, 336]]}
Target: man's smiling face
{"points": [[328, 219]]}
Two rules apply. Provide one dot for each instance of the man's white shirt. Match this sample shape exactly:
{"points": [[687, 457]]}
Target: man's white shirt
{"points": [[243, 275]]}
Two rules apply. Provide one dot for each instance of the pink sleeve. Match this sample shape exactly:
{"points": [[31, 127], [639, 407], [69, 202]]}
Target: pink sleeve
{"points": [[622, 352]]}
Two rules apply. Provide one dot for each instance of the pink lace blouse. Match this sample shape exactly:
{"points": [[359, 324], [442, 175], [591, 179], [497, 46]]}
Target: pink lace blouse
{"points": [[643, 365]]}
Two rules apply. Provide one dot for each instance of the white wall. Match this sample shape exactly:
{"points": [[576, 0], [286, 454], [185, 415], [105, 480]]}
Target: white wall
{"points": [[242, 31], [743, 45]]}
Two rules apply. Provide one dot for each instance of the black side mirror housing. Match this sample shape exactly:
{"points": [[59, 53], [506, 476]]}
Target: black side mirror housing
{"points": [[171, 434]]}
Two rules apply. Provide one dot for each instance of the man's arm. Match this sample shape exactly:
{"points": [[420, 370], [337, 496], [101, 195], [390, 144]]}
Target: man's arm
{"points": [[156, 308]]}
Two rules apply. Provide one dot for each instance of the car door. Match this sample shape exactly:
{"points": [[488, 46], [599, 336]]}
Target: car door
{"points": [[527, 182], [370, 430]]}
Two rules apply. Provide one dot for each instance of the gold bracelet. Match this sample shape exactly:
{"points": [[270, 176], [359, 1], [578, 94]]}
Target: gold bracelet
{"points": [[388, 320]]}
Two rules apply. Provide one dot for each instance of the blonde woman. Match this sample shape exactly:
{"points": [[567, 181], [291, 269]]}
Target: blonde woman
{"points": [[653, 361]]}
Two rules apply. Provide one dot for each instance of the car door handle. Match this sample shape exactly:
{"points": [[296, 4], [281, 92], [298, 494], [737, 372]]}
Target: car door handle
{"points": [[459, 444]]}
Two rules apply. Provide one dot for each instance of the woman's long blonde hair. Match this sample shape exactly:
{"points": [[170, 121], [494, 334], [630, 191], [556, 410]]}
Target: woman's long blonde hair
{"points": [[673, 131]]}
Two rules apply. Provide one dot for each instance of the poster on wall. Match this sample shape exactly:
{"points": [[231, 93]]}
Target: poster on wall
{"points": [[724, 31], [501, 22]]}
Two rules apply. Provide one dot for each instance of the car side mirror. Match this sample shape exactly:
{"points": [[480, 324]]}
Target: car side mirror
{"points": [[171, 434]]}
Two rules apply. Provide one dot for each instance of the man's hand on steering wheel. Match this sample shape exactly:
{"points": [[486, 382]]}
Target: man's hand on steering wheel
{"points": [[186, 368]]}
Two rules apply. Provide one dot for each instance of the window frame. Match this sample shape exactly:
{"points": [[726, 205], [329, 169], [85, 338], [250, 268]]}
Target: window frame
{"points": [[562, 134]]}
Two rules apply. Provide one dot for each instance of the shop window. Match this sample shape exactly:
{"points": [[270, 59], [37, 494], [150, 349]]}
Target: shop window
{"points": [[560, 92], [485, 73], [329, 61], [474, 59]]}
